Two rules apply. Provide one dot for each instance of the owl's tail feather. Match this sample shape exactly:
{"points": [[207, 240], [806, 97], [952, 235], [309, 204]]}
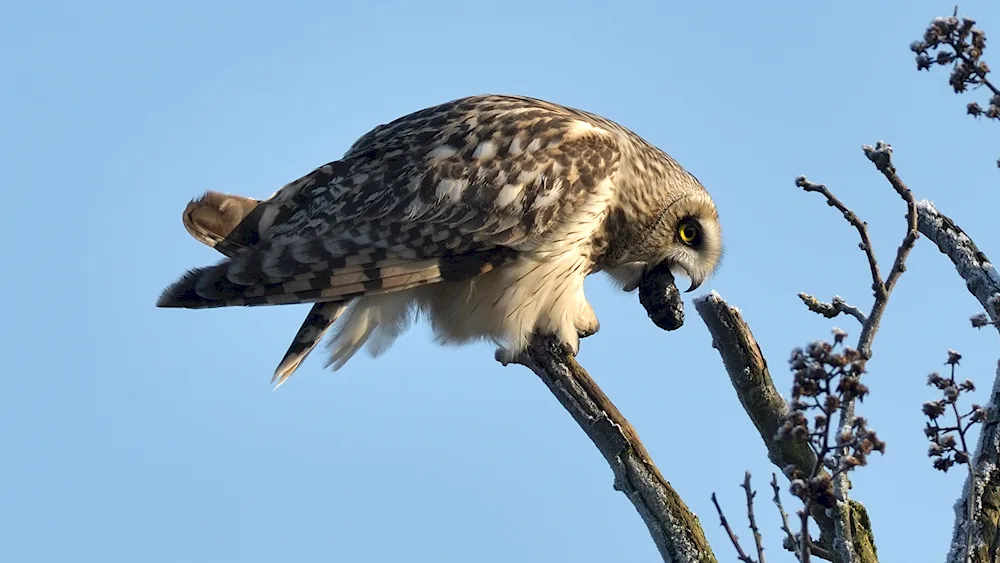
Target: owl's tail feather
{"points": [[205, 288], [208, 287], [317, 322], [229, 223], [225, 222]]}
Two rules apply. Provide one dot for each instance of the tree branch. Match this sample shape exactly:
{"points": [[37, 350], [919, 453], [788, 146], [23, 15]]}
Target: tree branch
{"points": [[986, 492], [675, 529], [981, 278], [767, 409], [790, 542], [833, 308], [740, 554], [758, 541], [866, 244], [881, 156], [983, 282]]}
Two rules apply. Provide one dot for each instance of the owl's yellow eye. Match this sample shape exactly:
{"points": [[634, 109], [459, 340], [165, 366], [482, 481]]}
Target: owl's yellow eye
{"points": [[688, 232]]}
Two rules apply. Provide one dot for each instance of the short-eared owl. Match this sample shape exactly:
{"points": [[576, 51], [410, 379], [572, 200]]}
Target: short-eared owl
{"points": [[485, 214]]}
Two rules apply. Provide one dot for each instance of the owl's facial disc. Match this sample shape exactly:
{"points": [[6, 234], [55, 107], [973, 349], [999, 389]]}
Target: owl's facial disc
{"points": [[687, 240]]}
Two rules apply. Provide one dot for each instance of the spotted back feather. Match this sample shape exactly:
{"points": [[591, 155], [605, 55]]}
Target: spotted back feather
{"points": [[454, 184]]}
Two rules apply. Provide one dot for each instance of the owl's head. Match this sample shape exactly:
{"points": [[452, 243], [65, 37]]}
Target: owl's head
{"points": [[686, 237]]}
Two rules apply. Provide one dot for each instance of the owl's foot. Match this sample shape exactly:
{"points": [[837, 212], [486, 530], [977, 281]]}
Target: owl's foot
{"points": [[508, 356]]}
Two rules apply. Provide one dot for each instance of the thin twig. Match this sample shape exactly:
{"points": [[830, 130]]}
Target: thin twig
{"points": [[881, 156], [785, 525], [741, 555], [861, 226], [753, 521], [971, 512], [835, 307], [806, 546]]}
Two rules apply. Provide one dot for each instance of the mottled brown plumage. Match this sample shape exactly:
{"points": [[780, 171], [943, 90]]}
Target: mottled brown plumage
{"points": [[486, 213], [227, 224]]}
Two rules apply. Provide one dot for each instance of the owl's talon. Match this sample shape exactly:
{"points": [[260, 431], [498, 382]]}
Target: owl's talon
{"points": [[588, 331], [504, 356], [586, 321], [570, 348]]}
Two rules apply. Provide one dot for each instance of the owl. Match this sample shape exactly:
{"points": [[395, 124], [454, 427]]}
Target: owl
{"points": [[483, 214]]}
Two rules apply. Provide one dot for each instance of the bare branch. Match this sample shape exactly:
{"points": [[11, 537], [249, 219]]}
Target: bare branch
{"points": [[881, 156], [983, 282], [751, 379], [674, 528], [981, 278], [791, 542], [807, 549], [833, 308], [861, 226], [761, 400], [753, 520], [984, 501], [741, 555]]}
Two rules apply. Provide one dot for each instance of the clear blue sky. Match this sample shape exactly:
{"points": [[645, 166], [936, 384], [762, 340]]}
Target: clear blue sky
{"points": [[139, 434]]}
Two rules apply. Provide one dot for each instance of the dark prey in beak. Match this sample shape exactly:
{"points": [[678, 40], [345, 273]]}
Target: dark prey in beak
{"points": [[662, 300]]}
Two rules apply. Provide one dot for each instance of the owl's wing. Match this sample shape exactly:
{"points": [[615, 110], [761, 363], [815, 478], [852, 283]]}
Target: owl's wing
{"points": [[434, 197]]}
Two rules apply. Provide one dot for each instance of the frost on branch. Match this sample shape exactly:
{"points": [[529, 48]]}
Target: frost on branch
{"points": [[981, 278]]}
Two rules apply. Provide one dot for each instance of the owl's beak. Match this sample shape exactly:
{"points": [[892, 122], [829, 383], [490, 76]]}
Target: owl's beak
{"points": [[695, 283], [696, 279], [677, 270]]}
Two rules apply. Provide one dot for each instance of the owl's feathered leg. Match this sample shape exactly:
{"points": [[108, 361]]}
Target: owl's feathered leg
{"points": [[510, 306], [376, 320], [586, 325], [229, 223]]}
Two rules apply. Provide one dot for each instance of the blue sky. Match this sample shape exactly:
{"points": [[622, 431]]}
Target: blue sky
{"points": [[140, 434]]}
